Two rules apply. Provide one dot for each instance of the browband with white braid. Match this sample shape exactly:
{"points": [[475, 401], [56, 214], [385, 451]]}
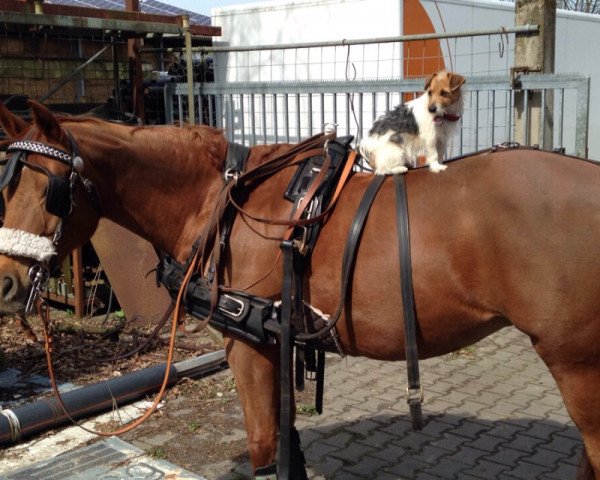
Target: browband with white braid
{"points": [[24, 244]]}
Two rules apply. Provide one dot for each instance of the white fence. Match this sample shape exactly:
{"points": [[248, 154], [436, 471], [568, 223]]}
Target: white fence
{"points": [[265, 112]]}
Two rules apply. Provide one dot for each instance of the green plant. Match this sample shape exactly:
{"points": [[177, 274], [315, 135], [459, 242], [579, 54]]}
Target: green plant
{"points": [[308, 410], [120, 314], [194, 426], [157, 452], [69, 313]]}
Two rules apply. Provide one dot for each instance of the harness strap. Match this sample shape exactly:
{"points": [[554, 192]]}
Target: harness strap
{"points": [[349, 257], [235, 161], [414, 389]]}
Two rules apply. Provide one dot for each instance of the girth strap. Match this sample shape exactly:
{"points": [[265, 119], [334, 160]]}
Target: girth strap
{"points": [[414, 390], [349, 256]]}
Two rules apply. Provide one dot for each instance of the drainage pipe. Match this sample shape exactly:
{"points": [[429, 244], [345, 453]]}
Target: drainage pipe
{"points": [[28, 420]]}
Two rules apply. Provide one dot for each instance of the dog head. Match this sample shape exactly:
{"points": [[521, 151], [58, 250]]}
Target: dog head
{"points": [[444, 99]]}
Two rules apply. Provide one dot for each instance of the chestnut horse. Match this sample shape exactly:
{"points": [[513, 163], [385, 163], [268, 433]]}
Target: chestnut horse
{"points": [[497, 239]]}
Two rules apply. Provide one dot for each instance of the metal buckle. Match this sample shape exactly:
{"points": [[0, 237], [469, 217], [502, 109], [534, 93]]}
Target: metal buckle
{"points": [[413, 394], [240, 308], [231, 174]]}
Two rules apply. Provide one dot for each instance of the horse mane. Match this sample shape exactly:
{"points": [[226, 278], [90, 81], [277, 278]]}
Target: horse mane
{"points": [[205, 140]]}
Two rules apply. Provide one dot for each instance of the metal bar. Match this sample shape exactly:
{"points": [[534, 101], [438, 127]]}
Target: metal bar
{"points": [[286, 116], [322, 109], [561, 119], [298, 129], [263, 102], [68, 78], [543, 120], [275, 119], [310, 114], [230, 126], [527, 119], [115, 59], [493, 128], [253, 118], [242, 119], [367, 41], [476, 112]]}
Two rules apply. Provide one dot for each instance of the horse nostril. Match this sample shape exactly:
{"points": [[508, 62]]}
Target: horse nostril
{"points": [[7, 286]]}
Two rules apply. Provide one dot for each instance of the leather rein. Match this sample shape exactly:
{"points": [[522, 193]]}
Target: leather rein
{"points": [[59, 202]]}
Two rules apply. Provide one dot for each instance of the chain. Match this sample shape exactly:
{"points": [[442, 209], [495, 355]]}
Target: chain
{"points": [[39, 275]]}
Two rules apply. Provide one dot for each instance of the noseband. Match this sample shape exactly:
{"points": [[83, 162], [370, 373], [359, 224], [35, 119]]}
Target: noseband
{"points": [[59, 202]]}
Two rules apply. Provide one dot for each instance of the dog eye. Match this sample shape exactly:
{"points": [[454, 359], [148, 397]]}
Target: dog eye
{"points": [[429, 92], [445, 93]]}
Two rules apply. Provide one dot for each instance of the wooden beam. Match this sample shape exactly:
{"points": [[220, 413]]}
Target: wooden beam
{"points": [[15, 11]]}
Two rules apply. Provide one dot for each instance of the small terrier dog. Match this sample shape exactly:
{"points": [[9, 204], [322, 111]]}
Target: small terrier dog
{"points": [[419, 127]]}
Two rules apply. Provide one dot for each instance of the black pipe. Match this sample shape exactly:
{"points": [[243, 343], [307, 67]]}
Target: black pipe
{"points": [[46, 413], [27, 420]]}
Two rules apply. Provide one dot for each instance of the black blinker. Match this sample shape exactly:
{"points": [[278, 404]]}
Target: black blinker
{"points": [[13, 164], [58, 196]]}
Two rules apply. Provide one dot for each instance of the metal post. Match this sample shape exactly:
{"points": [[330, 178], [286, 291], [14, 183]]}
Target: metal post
{"points": [[535, 53], [190, 69], [115, 55]]}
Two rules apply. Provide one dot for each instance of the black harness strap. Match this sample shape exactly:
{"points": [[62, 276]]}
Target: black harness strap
{"points": [[414, 390], [349, 256], [235, 162]]}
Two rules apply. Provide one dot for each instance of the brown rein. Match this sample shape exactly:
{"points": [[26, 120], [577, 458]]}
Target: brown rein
{"points": [[209, 245], [44, 313]]}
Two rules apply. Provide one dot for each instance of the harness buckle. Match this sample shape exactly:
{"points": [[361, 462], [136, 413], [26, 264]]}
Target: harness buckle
{"points": [[231, 174], [239, 306], [414, 395]]}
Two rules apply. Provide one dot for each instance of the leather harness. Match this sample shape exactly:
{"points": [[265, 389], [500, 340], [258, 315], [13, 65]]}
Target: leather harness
{"points": [[264, 321]]}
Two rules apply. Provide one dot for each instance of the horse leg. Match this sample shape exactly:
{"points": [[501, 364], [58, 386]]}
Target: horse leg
{"points": [[256, 374], [578, 386]]}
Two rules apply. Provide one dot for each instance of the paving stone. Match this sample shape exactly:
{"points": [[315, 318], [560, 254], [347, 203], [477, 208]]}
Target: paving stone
{"points": [[527, 471]]}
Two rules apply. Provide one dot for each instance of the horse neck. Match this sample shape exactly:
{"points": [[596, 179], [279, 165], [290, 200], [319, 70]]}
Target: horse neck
{"points": [[157, 182]]}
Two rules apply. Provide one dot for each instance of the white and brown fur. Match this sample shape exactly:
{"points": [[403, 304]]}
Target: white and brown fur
{"points": [[420, 127]]}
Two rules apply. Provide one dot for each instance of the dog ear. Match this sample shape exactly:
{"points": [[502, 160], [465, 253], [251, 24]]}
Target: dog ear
{"points": [[429, 80], [456, 81]]}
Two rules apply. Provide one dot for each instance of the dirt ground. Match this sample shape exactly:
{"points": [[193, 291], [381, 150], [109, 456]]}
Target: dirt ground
{"points": [[201, 417]]}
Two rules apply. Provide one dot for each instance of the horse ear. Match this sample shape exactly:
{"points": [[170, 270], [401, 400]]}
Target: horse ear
{"points": [[13, 126], [45, 120]]}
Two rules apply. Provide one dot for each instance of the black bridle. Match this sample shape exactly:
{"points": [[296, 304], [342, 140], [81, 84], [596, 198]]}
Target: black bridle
{"points": [[60, 193]]}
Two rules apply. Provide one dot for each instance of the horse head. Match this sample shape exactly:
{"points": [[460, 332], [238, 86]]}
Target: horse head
{"points": [[43, 187]]}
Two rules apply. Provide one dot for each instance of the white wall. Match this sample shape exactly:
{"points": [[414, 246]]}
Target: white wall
{"points": [[277, 22]]}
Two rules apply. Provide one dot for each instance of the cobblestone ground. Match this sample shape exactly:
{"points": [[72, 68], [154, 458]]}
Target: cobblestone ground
{"points": [[492, 412]]}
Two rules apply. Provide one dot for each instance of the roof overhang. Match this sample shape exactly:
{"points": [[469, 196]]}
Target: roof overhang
{"points": [[124, 23]]}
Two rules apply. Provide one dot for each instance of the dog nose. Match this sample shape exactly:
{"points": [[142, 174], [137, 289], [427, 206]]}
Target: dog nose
{"points": [[432, 109]]}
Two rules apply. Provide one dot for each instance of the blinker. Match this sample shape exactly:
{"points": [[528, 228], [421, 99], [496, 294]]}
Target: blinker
{"points": [[58, 196]]}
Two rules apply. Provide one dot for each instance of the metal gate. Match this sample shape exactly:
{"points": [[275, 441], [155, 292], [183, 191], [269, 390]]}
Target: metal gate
{"points": [[260, 113]]}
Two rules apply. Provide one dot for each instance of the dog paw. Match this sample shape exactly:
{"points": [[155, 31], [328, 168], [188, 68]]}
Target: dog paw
{"points": [[391, 170], [437, 167]]}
